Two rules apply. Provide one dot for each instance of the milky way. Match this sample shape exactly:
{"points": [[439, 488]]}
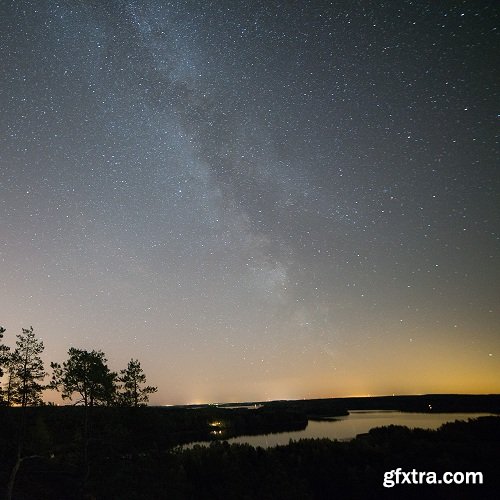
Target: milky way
{"points": [[256, 199]]}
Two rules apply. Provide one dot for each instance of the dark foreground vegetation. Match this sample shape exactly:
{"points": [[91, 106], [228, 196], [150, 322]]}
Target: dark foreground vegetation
{"points": [[83, 378], [125, 465], [114, 447], [115, 431]]}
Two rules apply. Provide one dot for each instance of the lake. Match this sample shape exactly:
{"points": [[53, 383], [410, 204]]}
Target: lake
{"points": [[357, 422]]}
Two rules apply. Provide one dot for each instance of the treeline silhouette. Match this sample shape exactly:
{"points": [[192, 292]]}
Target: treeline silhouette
{"points": [[307, 469], [108, 444], [58, 430], [83, 378], [433, 403]]}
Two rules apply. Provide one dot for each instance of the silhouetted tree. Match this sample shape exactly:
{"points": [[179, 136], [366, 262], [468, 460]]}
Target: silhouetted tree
{"points": [[4, 357], [86, 374], [25, 366], [4, 351], [11, 387], [132, 378], [25, 373]]}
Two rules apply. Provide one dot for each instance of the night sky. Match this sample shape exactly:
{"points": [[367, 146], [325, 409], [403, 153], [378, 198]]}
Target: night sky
{"points": [[256, 199]]}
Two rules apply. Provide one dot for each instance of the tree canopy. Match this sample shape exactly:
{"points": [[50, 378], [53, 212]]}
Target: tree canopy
{"points": [[87, 374], [4, 357], [26, 370], [4, 352], [131, 391], [83, 378]]}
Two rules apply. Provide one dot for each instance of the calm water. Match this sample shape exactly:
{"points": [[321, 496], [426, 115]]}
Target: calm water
{"points": [[357, 422]]}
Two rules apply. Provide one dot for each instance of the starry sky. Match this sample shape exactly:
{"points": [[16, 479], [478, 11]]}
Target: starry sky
{"points": [[257, 199]]}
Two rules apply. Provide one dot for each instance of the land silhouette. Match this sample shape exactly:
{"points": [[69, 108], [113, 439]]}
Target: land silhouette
{"points": [[107, 443]]}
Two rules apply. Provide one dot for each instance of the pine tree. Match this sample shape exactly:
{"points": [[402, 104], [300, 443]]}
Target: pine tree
{"points": [[86, 374], [4, 351], [132, 394], [4, 358], [25, 373], [26, 369]]}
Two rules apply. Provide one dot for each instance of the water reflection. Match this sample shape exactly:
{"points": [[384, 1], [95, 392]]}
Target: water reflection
{"points": [[357, 422]]}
